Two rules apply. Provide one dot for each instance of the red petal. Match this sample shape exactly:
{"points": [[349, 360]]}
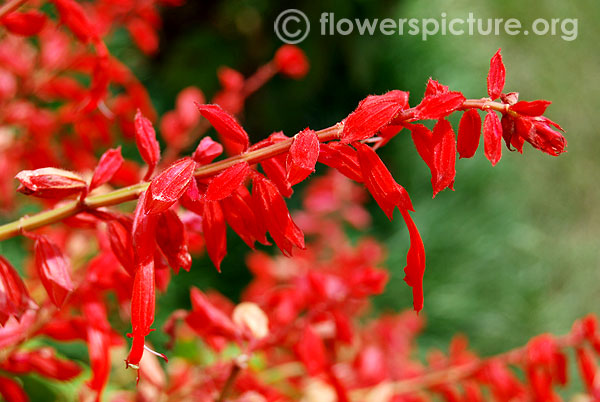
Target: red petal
{"points": [[53, 269], [435, 88], [423, 140], [443, 156], [380, 182], [535, 108], [110, 162], [311, 351], [26, 23], [142, 308], [207, 151], [372, 114], [302, 156], [226, 182], [225, 124], [169, 186], [415, 262], [438, 106], [341, 157], [469, 132], [274, 213], [172, 240], [145, 139], [215, 232], [492, 137], [496, 76], [14, 297]]}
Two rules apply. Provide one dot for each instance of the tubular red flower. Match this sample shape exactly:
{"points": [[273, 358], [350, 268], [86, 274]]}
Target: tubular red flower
{"points": [[415, 262]]}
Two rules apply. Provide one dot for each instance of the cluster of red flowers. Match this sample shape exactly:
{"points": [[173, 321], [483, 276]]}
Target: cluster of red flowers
{"points": [[299, 314]]}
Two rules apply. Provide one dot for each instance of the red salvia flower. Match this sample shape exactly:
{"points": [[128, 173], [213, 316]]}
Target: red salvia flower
{"points": [[443, 156], [439, 105], [496, 76], [143, 231], [273, 211], [373, 114], [169, 186], [145, 138], [291, 61], [469, 132], [380, 182], [492, 137], [415, 262], [302, 156], [172, 240], [110, 162], [215, 232], [207, 151], [26, 23], [14, 297], [226, 182], [50, 183], [226, 125], [53, 269]]}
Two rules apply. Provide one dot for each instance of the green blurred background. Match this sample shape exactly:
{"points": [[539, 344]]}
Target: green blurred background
{"points": [[513, 252]]}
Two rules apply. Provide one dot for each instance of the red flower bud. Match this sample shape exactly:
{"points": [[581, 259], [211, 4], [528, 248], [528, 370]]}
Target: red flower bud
{"points": [[291, 61], [54, 270], [207, 151], [492, 137], [110, 162], [145, 139], [225, 124], [443, 154], [50, 183], [496, 76], [469, 133]]}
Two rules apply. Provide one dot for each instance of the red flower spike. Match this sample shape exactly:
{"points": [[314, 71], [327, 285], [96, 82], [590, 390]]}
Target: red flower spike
{"points": [[208, 319], [290, 60], [226, 182], [145, 139], [435, 88], [380, 182], [492, 137], [240, 215], [415, 262], [172, 240], [166, 188], [50, 183], [496, 76], [53, 269], [311, 351], [438, 106], [343, 158], [73, 16], [302, 156], [372, 114], [443, 157], [12, 391], [225, 124], [14, 297], [469, 132], [535, 108], [215, 232], [110, 162], [121, 245], [26, 23], [273, 211], [142, 309], [207, 151]]}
